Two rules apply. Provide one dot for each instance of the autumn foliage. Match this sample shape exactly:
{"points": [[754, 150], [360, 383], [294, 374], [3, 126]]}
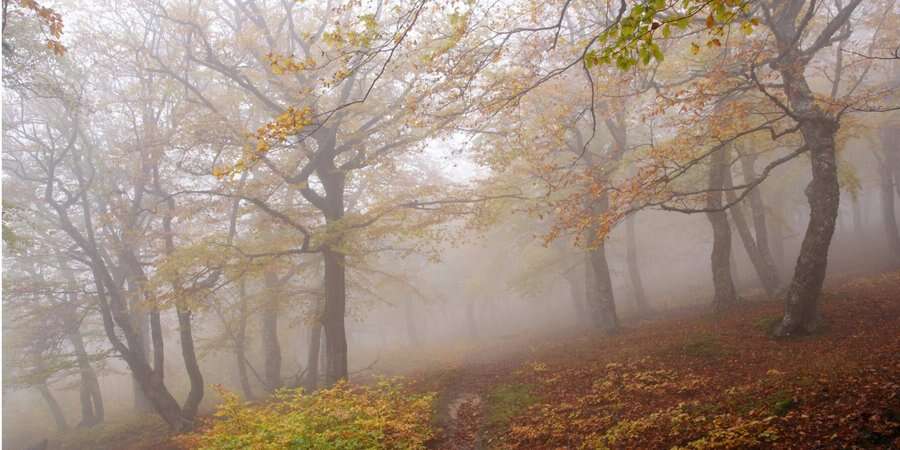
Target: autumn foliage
{"points": [[342, 417]]}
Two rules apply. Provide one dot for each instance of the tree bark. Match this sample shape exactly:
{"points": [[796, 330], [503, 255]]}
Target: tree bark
{"points": [[332, 207], [801, 310], [759, 254], [725, 294], [600, 296], [312, 359], [333, 317], [92, 411], [189, 354], [271, 347], [634, 270]]}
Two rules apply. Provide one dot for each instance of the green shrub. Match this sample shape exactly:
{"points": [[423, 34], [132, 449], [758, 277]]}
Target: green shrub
{"points": [[342, 417]]}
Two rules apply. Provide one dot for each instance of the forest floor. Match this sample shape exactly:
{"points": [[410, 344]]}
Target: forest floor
{"points": [[690, 380], [698, 381]]}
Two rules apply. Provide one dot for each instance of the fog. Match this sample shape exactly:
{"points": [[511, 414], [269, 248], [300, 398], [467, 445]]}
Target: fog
{"points": [[261, 195]]}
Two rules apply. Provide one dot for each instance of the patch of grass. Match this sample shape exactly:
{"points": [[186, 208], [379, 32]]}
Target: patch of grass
{"points": [[703, 346], [507, 401]]}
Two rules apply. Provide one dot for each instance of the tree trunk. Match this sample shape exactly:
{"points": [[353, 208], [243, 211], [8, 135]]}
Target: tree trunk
{"points": [[142, 404], [332, 205], [759, 255], [189, 354], [725, 294], [578, 290], [271, 347], [92, 411], [333, 317], [55, 410], [601, 300], [801, 310], [312, 359], [634, 270]]}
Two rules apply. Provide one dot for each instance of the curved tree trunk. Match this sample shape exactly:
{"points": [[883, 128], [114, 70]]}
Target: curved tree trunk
{"points": [[801, 310], [189, 354], [720, 260], [759, 255]]}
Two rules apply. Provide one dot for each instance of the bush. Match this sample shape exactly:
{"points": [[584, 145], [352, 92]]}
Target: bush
{"points": [[343, 417]]}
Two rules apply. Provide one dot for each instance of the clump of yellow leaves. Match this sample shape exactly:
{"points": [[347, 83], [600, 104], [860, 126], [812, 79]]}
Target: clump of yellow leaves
{"points": [[376, 416], [282, 64], [288, 123]]}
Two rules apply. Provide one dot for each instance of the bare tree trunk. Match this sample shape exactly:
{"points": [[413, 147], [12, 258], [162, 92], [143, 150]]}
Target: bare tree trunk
{"points": [[818, 128], [55, 410], [312, 360], [333, 317], [601, 300], [725, 294], [759, 255], [578, 289], [332, 205], [189, 354], [92, 411], [271, 347], [634, 269], [801, 311]]}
